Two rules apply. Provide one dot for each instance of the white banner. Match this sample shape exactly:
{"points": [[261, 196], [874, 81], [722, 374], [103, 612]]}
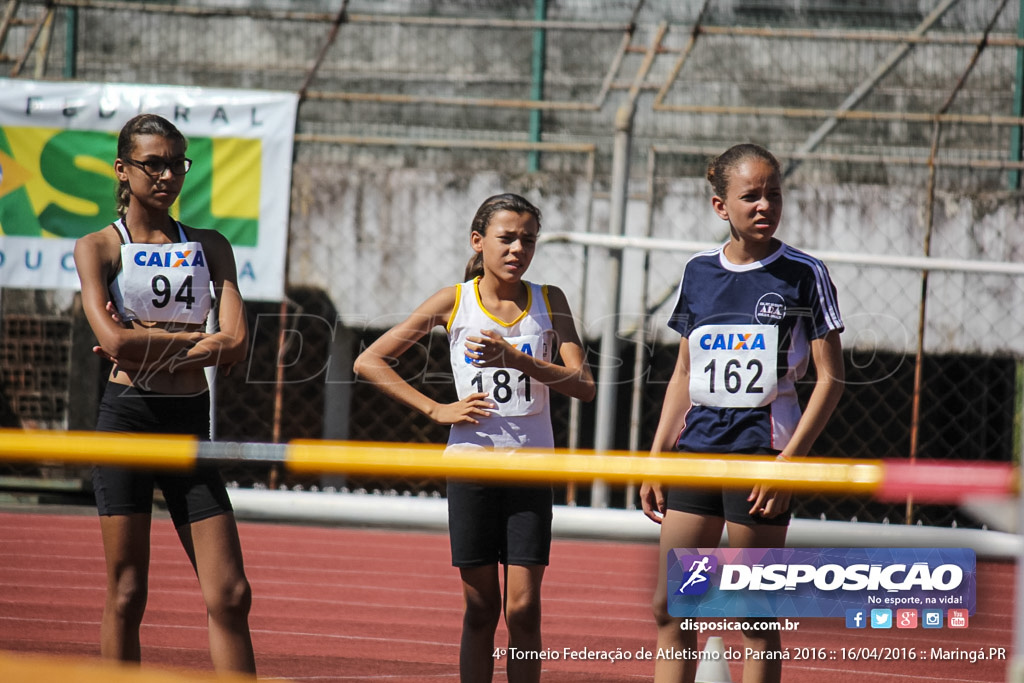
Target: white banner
{"points": [[58, 142]]}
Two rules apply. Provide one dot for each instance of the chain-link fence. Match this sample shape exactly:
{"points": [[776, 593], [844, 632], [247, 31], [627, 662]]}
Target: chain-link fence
{"points": [[898, 124]]}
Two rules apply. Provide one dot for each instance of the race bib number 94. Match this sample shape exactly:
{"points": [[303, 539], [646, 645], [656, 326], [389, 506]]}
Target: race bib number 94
{"points": [[166, 282], [734, 366]]}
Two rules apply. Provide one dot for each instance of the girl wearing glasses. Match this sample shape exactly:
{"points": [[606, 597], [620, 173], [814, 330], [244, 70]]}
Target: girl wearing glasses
{"points": [[146, 290]]}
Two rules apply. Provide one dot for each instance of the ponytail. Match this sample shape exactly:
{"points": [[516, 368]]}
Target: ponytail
{"points": [[474, 268]]}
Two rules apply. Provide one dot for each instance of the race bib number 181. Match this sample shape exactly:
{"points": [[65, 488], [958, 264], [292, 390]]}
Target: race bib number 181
{"points": [[513, 393], [734, 366]]}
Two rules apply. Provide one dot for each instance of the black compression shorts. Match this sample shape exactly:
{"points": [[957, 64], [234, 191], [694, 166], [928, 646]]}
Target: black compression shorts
{"points": [[491, 524], [730, 504], [191, 496]]}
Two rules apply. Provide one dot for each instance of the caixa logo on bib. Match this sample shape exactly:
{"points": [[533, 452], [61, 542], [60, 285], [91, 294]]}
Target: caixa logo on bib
{"points": [[169, 259], [817, 582]]}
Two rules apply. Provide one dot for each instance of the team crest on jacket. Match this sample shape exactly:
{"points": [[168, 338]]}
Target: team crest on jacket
{"points": [[771, 308]]}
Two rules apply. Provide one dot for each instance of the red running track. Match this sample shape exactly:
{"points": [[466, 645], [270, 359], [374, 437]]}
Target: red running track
{"points": [[344, 604]]}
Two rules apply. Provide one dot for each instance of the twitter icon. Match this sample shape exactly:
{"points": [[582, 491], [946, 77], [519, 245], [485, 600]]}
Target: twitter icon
{"points": [[881, 618]]}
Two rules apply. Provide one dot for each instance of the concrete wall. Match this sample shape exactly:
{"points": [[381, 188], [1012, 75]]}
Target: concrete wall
{"points": [[380, 241]]}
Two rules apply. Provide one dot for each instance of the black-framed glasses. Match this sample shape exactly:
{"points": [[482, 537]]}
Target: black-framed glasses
{"points": [[156, 167]]}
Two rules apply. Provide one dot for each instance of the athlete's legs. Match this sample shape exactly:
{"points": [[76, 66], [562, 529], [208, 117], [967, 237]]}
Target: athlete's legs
{"points": [[126, 548], [760, 670], [482, 593], [679, 530], [213, 547], [522, 616]]}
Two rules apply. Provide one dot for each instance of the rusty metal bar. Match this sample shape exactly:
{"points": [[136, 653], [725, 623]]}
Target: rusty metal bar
{"points": [[813, 113], [44, 46], [868, 84], [929, 224], [649, 56], [16, 70], [678, 66], [328, 17], [984, 164], [180, 10], [613, 69], [580, 301], [339, 19], [466, 22], [498, 145], [999, 40], [395, 98], [8, 19]]}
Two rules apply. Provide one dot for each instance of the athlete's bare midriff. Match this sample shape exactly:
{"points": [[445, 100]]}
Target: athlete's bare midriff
{"points": [[160, 375]]}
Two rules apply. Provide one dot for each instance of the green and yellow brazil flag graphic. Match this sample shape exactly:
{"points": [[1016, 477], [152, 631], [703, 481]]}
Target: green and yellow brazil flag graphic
{"points": [[57, 146]]}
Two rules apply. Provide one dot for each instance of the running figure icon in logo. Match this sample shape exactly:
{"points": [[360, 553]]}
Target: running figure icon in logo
{"points": [[696, 582]]}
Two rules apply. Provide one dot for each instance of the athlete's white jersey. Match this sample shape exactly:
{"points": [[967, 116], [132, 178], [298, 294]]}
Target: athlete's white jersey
{"points": [[162, 282], [521, 418]]}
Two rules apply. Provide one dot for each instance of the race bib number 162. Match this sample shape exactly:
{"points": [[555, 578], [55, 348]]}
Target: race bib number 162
{"points": [[734, 366]]}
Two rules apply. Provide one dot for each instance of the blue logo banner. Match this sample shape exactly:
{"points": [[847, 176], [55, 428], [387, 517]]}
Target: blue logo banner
{"points": [[818, 582]]}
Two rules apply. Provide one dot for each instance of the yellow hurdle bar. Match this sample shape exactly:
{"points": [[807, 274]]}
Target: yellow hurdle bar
{"points": [[19, 668], [823, 475], [945, 481], [413, 460], [161, 451]]}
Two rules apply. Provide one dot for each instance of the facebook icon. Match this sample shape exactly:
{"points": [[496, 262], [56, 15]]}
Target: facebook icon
{"points": [[856, 618]]}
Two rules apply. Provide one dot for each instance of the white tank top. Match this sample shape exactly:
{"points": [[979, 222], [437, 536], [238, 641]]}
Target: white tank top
{"points": [[521, 418], [162, 282]]}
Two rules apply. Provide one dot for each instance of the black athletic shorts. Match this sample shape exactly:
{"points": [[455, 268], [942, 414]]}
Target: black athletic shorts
{"points": [[729, 504], [191, 496], [491, 524]]}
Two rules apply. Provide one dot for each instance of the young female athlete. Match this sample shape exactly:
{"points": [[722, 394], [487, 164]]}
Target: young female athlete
{"points": [[505, 333], [156, 275], [724, 400]]}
